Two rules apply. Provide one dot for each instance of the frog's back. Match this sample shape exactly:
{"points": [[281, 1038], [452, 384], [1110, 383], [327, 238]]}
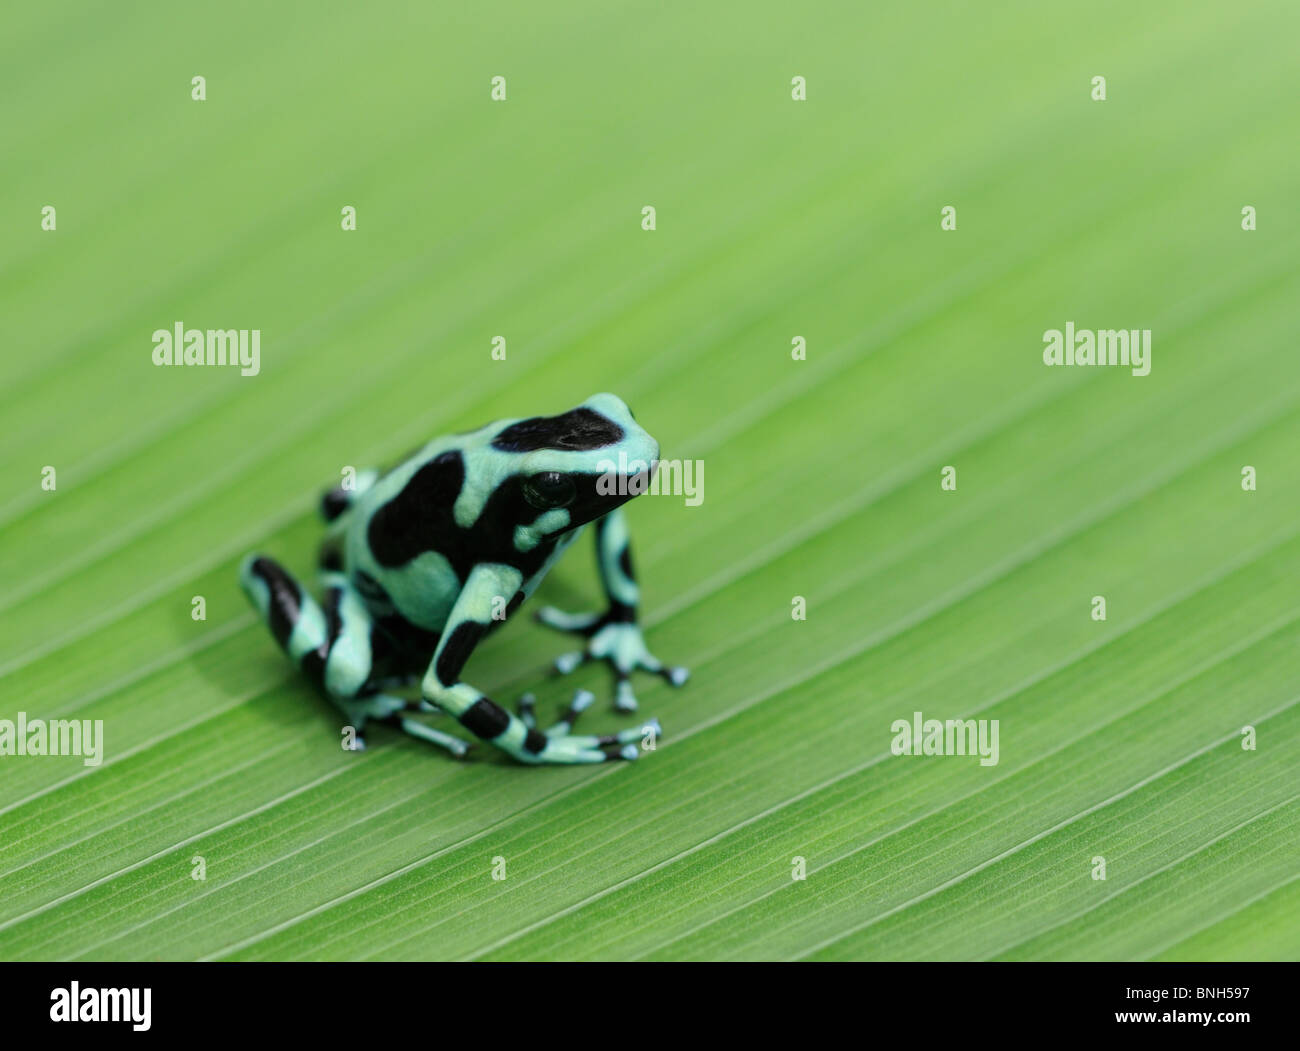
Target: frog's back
{"points": [[399, 549]]}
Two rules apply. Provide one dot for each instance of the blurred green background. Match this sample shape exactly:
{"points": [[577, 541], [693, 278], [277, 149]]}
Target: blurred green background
{"points": [[775, 219]]}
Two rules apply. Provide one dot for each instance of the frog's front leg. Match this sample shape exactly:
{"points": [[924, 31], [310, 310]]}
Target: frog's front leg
{"points": [[468, 622], [613, 635]]}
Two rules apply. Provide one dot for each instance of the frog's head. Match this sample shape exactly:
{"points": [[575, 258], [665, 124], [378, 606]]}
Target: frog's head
{"points": [[572, 468]]}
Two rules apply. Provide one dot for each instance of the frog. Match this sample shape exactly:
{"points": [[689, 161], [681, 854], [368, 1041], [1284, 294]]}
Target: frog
{"points": [[421, 562]]}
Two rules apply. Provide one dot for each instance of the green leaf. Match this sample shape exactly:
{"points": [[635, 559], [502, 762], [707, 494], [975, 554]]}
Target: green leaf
{"points": [[1120, 739]]}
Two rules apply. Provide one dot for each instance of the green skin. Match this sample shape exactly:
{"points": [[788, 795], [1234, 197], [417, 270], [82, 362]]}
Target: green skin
{"points": [[422, 562]]}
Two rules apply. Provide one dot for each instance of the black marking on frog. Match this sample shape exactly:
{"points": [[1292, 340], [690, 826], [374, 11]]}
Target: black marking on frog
{"points": [[578, 430], [455, 652], [485, 718], [422, 518], [285, 599]]}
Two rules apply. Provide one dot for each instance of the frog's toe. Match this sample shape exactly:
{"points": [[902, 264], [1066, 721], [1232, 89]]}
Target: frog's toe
{"points": [[576, 623], [675, 674], [627, 740], [567, 662], [528, 710], [627, 752], [649, 728], [584, 750], [606, 748], [624, 698], [581, 702]]}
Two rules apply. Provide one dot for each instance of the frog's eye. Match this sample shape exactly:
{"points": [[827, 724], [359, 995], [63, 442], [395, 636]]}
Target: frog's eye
{"points": [[549, 490]]}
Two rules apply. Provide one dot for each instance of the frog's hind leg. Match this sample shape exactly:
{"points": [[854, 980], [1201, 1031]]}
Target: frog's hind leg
{"points": [[297, 622], [349, 671], [334, 647]]}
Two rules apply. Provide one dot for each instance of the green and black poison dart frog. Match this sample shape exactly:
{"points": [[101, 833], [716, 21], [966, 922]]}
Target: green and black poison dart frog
{"points": [[420, 563]]}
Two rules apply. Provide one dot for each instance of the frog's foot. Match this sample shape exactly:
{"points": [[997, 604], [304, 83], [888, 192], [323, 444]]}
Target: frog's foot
{"points": [[388, 709], [618, 641], [621, 745]]}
